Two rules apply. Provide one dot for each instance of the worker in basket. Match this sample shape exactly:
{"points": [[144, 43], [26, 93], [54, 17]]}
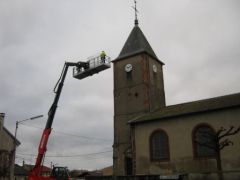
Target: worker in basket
{"points": [[103, 56]]}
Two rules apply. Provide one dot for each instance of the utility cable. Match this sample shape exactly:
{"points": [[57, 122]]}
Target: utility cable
{"points": [[68, 134], [69, 156]]}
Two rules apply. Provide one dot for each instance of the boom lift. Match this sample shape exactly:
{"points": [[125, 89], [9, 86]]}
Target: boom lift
{"points": [[81, 70], [94, 65]]}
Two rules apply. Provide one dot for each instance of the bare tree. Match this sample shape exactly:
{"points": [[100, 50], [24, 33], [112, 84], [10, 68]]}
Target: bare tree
{"points": [[217, 141]]}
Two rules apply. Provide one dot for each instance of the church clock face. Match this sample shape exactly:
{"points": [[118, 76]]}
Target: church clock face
{"points": [[128, 67]]}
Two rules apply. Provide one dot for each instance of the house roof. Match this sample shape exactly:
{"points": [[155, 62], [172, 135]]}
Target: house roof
{"points": [[136, 43], [78, 173], [29, 167], [107, 170], [20, 171], [205, 105], [46, 169], [12, 136]]}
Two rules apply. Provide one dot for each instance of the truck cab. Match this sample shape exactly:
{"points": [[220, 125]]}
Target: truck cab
{"points": [[60, 173]]}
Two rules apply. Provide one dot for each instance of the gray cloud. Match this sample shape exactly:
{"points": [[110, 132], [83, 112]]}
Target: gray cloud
{"points": [[199, 42]]}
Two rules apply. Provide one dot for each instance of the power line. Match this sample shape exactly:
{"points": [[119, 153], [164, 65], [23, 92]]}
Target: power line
{"points": [[30, 160], [73, 135], [68, 156]]}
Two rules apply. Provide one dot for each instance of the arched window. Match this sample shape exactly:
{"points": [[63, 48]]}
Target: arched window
{"points": [[204, 141], [159, 146]]}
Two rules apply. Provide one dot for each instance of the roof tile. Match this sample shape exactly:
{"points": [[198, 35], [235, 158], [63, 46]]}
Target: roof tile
{"points": [[211, 104]]}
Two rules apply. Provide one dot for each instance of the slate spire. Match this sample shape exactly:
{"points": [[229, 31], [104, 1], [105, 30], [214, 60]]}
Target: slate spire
{"points": [[136, 43]]}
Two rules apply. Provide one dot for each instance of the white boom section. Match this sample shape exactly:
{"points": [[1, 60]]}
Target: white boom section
{"points": [[96, 64]]}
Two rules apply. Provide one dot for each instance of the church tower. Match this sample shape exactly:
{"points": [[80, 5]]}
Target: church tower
{"points": [[138, 89]]}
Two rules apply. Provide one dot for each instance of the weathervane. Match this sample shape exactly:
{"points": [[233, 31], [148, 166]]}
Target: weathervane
{"points": [[136, 11]]}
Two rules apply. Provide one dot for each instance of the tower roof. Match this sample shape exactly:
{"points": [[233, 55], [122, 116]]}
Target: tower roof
{"points": [[135, 44]]}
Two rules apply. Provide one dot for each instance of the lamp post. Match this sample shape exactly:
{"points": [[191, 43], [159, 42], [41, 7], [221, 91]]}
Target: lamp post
{"points": [[18, 122], [15, 137]]}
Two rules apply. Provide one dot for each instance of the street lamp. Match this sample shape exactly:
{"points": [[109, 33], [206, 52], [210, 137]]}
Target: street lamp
{"points": [[15, 136], [18, 122]]}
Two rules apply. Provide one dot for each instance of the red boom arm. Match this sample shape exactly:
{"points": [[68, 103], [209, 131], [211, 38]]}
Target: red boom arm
{"points": [[35, 174]]}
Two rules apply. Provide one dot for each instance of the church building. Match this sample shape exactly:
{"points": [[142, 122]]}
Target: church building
{"points": [[151, 138]]}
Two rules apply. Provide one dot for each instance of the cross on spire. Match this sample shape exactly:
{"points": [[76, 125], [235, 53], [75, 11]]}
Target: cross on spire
{"points": [[136, 11]]}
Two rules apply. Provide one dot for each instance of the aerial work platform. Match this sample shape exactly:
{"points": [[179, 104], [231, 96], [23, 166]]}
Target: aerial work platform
{"points": [[93, 65]]}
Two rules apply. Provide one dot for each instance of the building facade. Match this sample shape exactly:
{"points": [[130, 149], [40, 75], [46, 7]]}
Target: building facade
{"points": [[164, 141], [152, 138], [7, 159]]}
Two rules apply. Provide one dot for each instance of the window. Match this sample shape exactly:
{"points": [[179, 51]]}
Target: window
{"points": [[128, 166], [203, 141], [159, 148], [129, 75]]}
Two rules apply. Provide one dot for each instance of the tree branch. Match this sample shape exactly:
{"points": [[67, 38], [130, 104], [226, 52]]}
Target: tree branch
{"points": [[225, 143], [212, 140], [230, 132]]}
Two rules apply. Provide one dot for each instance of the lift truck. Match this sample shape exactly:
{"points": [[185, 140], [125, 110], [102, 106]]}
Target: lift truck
{"points": [[80, 71]]}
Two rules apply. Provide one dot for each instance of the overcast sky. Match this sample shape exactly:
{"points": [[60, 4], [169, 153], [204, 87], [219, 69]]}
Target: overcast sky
{"points": [[199, 42]]}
